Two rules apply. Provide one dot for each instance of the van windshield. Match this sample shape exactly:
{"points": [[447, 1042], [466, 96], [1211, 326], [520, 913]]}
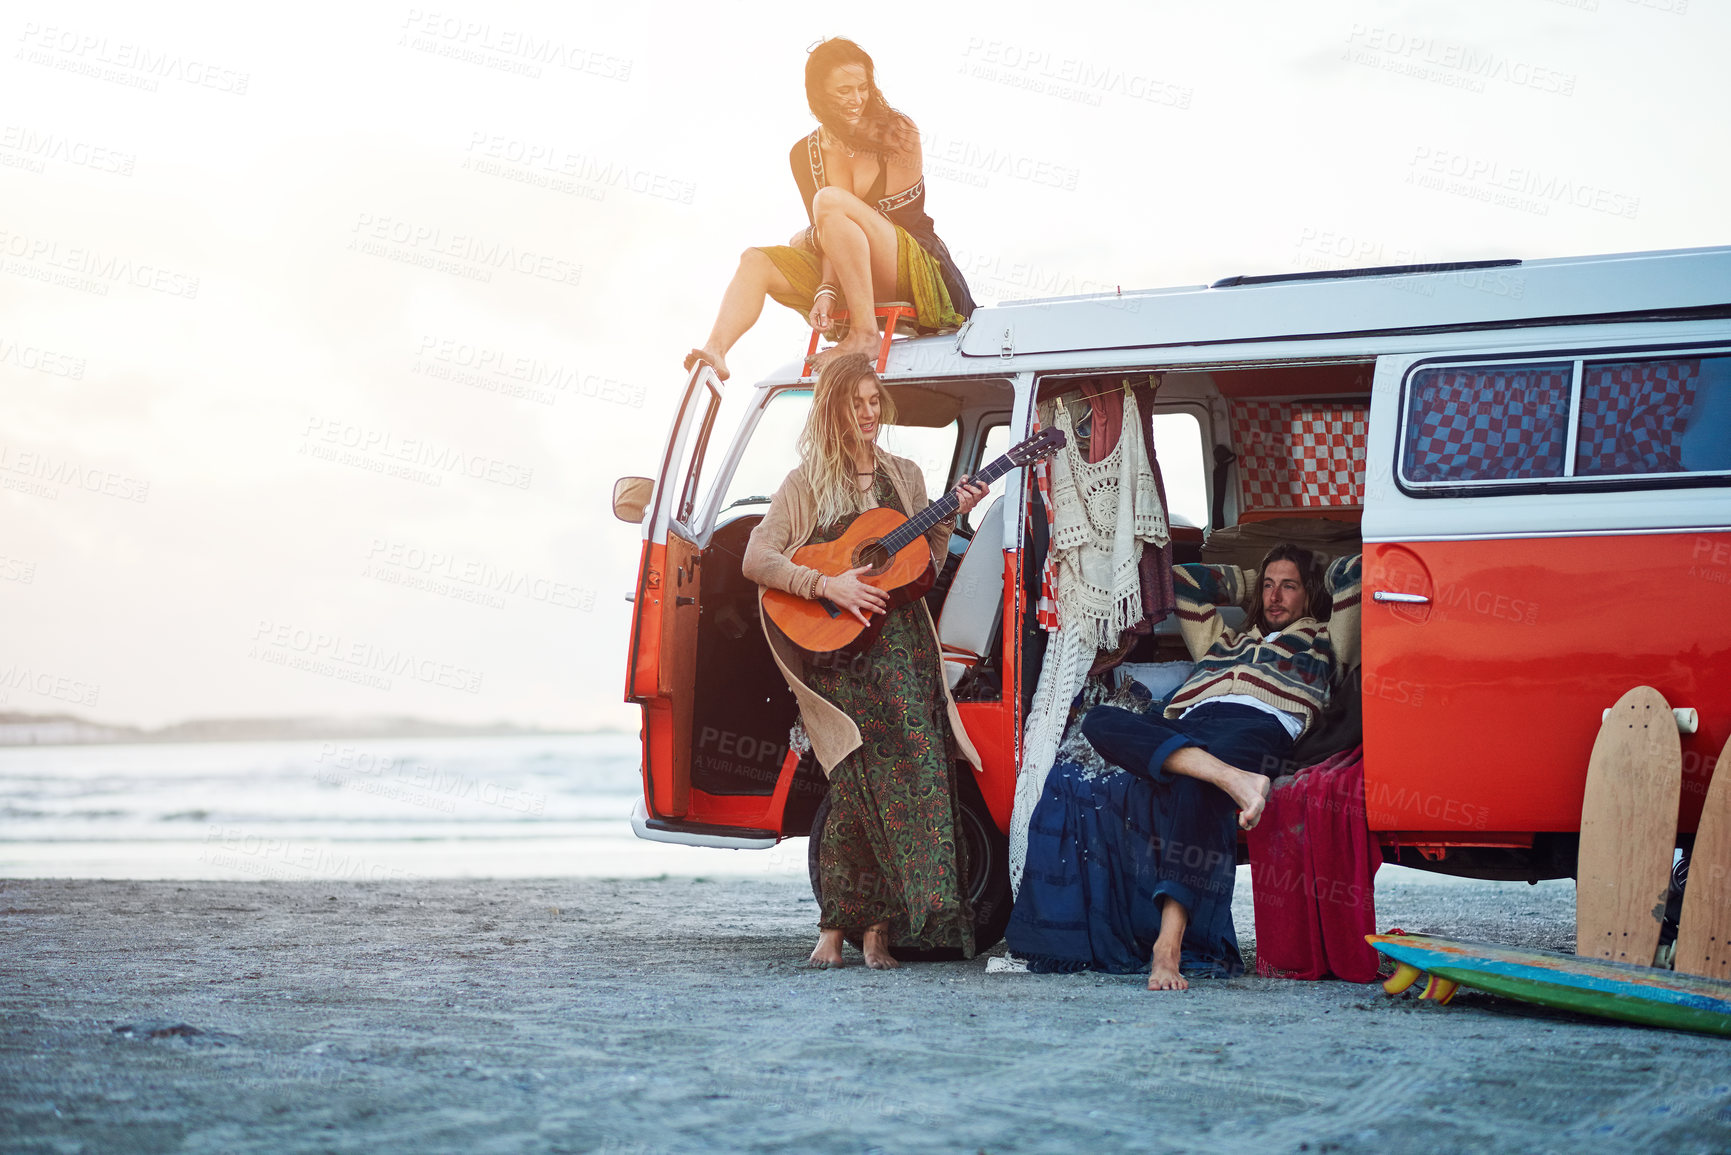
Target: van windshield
{"points": [[771, 454], [773, 451]]}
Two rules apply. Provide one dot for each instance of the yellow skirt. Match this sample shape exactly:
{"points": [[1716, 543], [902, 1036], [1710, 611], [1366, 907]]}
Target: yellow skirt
{"points": [[918, 280]]}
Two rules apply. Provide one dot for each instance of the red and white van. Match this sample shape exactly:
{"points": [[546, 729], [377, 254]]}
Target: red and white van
{"points": [[1535, 457]]}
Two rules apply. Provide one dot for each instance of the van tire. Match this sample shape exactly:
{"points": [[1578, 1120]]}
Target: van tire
{"points": [[988, 872]]}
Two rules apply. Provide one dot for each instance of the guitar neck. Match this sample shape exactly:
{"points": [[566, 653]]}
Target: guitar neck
{"points": [[941, 509]]}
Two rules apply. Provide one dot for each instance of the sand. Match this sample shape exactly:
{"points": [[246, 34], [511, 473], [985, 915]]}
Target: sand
{"points": [[586, 1015]]}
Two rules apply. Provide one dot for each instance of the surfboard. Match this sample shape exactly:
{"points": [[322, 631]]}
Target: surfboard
{"points": [[1704, 926], [1614, 990], [1628, 830]]}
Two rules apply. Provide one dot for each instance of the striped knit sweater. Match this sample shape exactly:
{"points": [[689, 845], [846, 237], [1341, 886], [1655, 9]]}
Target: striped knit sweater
{"points": [[1294, 672]]}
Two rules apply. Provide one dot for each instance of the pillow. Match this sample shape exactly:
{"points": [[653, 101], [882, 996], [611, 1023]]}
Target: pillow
{"points": [[1160, 678]]}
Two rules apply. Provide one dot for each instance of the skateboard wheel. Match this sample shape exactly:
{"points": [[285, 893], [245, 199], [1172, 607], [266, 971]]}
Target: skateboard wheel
{"points": [[1405, 974]]}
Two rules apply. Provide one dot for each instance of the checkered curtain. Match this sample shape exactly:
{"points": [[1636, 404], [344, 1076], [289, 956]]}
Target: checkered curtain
{"points": [[1298, 454], [1633, 416], [1488, 423]]}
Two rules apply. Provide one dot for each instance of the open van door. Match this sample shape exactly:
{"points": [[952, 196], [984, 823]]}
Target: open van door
{"points": [[661, 676]]}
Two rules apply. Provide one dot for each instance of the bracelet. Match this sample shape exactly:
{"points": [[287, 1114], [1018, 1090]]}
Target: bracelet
{"points": [[825, 291]]}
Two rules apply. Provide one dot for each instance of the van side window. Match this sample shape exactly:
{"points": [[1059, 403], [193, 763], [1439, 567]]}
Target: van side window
{"points": [[995, 445], [1487, 422], [1178, 444], [1657, 416], [932, 448]]}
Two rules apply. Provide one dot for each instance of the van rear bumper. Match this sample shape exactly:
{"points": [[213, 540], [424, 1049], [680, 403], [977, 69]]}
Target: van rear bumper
{"points": [[693, 834]]}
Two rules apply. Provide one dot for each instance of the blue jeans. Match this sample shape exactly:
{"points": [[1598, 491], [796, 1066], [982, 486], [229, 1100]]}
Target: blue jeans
{"points": [[1238, 735], [1105, 852]]}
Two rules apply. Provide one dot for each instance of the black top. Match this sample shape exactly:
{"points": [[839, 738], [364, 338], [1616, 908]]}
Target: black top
{"points": [[906, 208]]}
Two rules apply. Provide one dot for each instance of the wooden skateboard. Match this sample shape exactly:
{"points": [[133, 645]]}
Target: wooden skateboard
{"points": [[1704, 927], [1636, 994], [1628, 830]]}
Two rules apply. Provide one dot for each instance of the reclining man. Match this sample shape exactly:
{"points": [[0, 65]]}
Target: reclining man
{"points": [[1231, 725]]}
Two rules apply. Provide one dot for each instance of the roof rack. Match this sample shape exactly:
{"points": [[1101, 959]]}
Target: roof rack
{"points": [[1378, 271]]}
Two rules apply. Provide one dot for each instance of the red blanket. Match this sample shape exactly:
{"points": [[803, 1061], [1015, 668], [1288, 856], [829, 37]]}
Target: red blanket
{"points": [[1312, 875]]}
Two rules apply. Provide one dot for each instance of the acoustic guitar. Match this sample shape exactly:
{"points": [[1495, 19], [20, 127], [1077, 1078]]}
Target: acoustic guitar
{"points": [[894, 547]]}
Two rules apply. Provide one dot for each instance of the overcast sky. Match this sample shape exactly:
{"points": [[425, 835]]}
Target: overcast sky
{"points": [[324, 330]]}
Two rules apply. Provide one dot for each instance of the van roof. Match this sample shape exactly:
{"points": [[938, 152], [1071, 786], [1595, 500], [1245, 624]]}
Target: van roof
{"points": [[1434, 298], [1349, 302]]}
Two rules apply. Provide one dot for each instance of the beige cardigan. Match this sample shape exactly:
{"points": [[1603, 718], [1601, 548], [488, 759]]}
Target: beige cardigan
{"points": [[788, 525]]}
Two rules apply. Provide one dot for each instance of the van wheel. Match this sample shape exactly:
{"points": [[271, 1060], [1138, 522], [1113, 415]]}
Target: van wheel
{"points": [[988, 882]]}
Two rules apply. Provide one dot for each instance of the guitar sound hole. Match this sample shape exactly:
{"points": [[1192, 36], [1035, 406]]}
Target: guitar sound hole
{"points": [[874, 554]]}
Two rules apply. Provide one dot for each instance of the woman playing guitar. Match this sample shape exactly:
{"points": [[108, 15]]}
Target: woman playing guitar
{"points": [[881, 721]]}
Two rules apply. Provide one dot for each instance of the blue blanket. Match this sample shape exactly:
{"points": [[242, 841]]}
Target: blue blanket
{"points": [[1105, 845]]}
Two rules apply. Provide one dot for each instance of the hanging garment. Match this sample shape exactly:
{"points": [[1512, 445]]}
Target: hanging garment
{"points": [[1103, 513]]}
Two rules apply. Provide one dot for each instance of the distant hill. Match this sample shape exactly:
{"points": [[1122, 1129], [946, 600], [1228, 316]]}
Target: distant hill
{"points": [[69, 729]]}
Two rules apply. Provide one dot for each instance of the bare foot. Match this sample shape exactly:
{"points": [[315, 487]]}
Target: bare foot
{"points": [[856, 341], [1251, 793], [1164, 974], [827, 953], [712, 358], [876, 947]]}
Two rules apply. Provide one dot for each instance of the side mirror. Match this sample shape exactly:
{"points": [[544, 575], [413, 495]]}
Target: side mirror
{"points": [[631, 497]]}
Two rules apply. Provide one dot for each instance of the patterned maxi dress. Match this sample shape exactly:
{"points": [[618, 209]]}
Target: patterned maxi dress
{"points": [[889, 850]]}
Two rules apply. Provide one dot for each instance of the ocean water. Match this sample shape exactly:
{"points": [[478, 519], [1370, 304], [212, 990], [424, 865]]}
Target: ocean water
{"points": [[517, 807]]}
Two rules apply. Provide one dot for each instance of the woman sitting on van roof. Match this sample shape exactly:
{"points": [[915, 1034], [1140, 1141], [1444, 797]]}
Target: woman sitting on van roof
{"points": [[864, 244], [882, 723], [1124, 866]]}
